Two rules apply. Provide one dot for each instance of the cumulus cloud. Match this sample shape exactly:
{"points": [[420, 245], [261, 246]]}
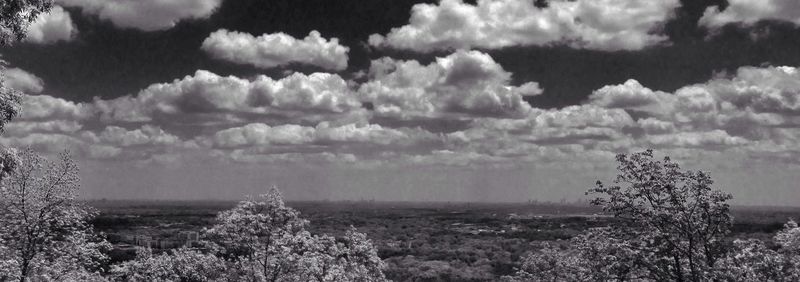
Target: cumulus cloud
{"points": [[44, 107], [709, 139], [112, 142], [751, 113], [21, 128], [748, 12], [591, 24], [465, 83], [544, 133], [319, 118], [262, 134], [147, 15], [207, 94], [751, 108], [23, 81], [245, 156], [274, 50], [631, 95], [147, 134], [259, 135], [52, 27]]}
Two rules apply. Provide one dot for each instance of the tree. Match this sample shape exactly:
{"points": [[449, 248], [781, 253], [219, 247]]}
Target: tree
{"points": [[592, 256], [752, 260], [266, 241], [178, 265], [789, 237], [254, 233], [672, 217], [552, 264], [17, 15], [43, 229], [10, 99]]}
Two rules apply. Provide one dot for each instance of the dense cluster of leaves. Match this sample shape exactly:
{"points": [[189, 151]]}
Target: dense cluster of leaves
{"points": [[43, 229], [261, 239], [672, 228], [182, 264]]}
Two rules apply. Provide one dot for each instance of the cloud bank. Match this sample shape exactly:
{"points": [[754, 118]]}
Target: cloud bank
{"points": [[146, 15], [750, 116], [749, 12], [278, 49], [608, 25]]}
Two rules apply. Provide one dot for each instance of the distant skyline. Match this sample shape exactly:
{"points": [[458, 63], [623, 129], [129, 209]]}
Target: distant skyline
{"points": [[471, 101]]}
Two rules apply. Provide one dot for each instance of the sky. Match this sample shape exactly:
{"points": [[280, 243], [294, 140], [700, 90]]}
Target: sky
{"points": [[395, 100]]}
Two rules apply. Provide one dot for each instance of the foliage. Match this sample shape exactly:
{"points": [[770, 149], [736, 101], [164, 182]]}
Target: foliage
{"points": [[672, 228], [267, 241], [16, 15], [10, 99], [789, 237], [178, 265], [592, 256], [673, 218], [261, 239], [751, 260], [43, 228]]}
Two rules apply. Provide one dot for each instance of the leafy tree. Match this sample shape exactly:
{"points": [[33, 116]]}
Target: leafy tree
{"points": [[552, 264], [266, 241], [43, 230], [671, 217], [592, 256], [752, 260], [789, 237], [9, 99], [178, 265], [261, 239], [16, 15]]}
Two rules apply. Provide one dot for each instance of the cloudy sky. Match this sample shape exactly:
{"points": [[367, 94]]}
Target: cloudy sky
{"points": [[451, 100]]}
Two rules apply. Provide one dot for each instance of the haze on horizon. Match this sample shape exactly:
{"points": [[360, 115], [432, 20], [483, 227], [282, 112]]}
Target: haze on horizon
{"points": [[482, 101]]}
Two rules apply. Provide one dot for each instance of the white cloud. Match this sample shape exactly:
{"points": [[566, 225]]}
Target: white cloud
{"points": [[753, 112], [52, 27], [147, 15], [262, 134], [763, 90], [748, 12], [302, 158], [709, 139], [226, 98], [656, 126], [591, 24], [461, 84], [147, 134], [631, 95], [23, 81], [278, 49], [45, 142], [44, 107], [324, 134], [21, 128]]}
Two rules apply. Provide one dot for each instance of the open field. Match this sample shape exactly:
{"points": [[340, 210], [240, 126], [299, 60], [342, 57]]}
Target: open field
{"points": [[418, 241]]}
